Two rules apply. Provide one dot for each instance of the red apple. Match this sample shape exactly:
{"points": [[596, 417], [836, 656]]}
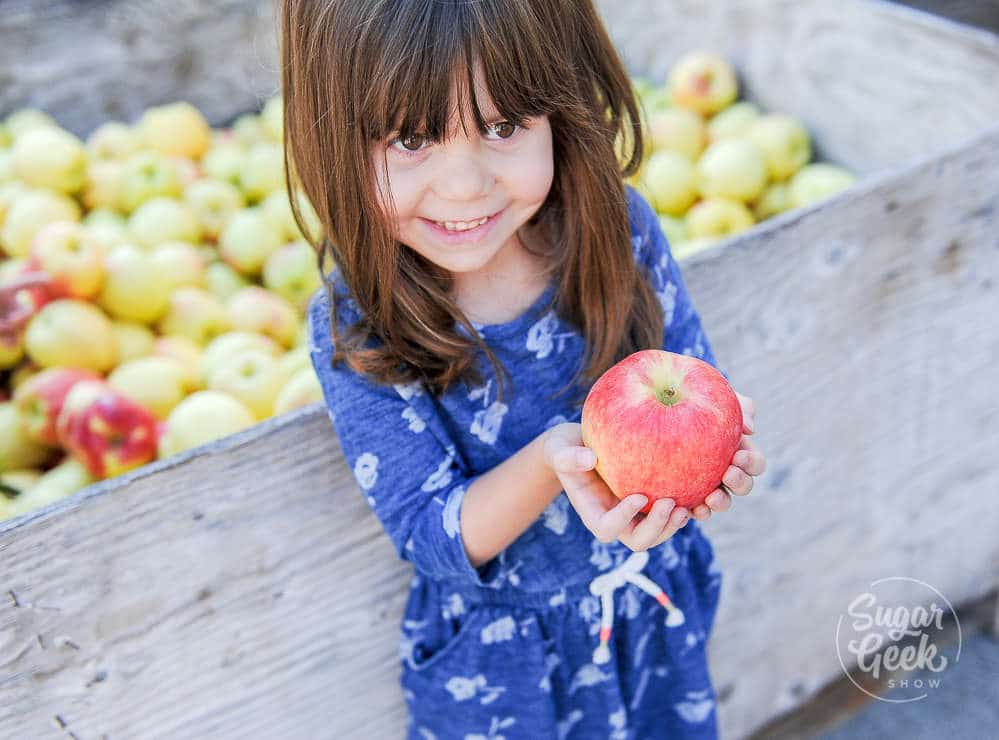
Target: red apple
{"points": [[106, 431], [40, 399], [664, 425]]}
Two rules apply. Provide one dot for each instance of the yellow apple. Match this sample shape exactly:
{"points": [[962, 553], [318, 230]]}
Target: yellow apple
{"points": [[63, 480], [671, 179], [214, 202], [231, 343], [291, 272], [223, 280], [224, 162], [262, 171], [71, 333], [146, 175], [28, 119], [70, 254], [50, 157], [102, 188], [295, 359], [133, 339], [733, 169], [112, 140], [680, 130], [156, 383], [817, 181], [134, 289], [703, 82], [161, 220], [248, 239], [186, 352], [196, 314], [775, 199], [257, 309], [202, 417], [252, 376], [28, 213], [301, 390], [177, 129], [733, 121], [718, 217], [180, 263], [784, 141]]}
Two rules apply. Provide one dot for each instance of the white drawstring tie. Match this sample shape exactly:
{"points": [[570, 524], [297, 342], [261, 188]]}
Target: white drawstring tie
{"points": [[604, 586]]}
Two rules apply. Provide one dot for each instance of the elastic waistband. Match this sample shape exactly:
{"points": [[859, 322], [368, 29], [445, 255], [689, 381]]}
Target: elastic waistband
{"points": [[514, 597]]}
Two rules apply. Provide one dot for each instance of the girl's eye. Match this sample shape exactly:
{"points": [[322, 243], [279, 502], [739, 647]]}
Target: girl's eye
{"points": [[414, 143]]}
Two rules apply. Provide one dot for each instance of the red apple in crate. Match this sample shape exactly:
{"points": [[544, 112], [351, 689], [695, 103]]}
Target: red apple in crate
{"points": [[664, 425], [106, 431], [40, 399]]}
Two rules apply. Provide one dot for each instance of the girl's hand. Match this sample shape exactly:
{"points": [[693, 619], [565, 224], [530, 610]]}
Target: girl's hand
{"points": [[606, 516], [747, 462]]}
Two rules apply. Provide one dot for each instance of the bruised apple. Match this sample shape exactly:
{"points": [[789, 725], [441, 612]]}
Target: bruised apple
{"points": [[664, 425]]}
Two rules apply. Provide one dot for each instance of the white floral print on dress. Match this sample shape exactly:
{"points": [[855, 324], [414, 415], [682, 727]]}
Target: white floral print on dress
{"points": [[500, 630], [366, 470], [542, 336]]}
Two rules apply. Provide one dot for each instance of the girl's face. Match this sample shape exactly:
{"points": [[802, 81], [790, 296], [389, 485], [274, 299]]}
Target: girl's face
{"points": [[503, 175]]}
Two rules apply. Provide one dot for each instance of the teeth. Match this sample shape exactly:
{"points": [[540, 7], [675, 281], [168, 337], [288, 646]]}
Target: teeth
{"points": [[462, 225]]}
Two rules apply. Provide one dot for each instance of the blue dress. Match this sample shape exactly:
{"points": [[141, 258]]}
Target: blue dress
{"points": [[560, 635]]}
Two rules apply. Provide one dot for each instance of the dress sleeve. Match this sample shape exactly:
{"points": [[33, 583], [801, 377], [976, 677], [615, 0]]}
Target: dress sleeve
{"points": [[405, 469], [683, 333]]}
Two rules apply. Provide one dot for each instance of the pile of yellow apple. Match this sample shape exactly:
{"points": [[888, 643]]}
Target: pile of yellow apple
{"points": [[172, 306], [713, 165]]}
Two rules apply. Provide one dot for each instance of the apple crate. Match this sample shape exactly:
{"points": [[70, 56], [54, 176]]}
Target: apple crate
{"points": [[244, 588]]}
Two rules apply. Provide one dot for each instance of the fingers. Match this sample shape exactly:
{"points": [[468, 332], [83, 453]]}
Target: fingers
{"points": [[737, 481], [663, 521], [749, 458], [748, 412], [564, 451], [719, 500], [614, 522]]}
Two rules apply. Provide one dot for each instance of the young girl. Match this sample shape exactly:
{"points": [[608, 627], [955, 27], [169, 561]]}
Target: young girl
{"points": [[490, 264]]}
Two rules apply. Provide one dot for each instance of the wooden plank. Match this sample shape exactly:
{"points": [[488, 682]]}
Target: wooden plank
{"points": [[879, 85], [244, 589], [86, 63]]}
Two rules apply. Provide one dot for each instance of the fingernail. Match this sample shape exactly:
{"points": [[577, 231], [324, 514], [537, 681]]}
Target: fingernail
{"points": [[639, 500], [586, 458]]}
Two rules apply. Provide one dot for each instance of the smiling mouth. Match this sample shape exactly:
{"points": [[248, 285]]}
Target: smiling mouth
{"points": [[460, 226]]}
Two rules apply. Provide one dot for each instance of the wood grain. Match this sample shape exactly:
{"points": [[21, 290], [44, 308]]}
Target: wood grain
{"points": [[244, 589]]}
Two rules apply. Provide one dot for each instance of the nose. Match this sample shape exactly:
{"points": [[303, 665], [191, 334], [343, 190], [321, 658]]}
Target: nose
{"points": [[465, 174]]}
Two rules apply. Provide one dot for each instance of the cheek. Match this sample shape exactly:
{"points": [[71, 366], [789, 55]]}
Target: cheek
{"points": [[535, 168]]}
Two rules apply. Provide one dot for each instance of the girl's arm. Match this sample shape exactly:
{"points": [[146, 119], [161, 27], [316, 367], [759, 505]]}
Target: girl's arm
{"points": [[448, 523]]}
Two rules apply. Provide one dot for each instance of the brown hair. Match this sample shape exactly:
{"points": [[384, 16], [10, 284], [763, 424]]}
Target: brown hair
{"points": [[355, 71]]}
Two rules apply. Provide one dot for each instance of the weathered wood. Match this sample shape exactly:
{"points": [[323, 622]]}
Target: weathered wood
{"points": [[244, 589], [86, 63]]}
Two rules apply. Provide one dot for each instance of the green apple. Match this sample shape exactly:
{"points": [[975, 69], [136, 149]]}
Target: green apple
{"points": [[703, 82], [785, 143], [224, 162], [249, 129], [134, 287], [732, 168], [251, 376], [71, 333], [133, 339], [214, 202], [161, 219], [180, 263], [718, 217], [671, 179], [302, 389], [63, 480], [248, 240], [674, 228], [257, 309], [186, 352], [196, 314], [686, 248], [262, 171], [733, 121], [146, 175], [112, 140], [272, 119], [72, 256], [202, 417], [680, 130], [230, 344], [28, 119], [775, 199], [102, 188], [28, 213], [817, 181], [222, 280], [50, 157], [292, 273], [176, 129], [156, 383]]}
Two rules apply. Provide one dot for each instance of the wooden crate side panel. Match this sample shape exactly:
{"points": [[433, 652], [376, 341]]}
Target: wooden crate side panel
{"points": [[86, 63], [242, 590], [865, 331], [879, 85]]}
